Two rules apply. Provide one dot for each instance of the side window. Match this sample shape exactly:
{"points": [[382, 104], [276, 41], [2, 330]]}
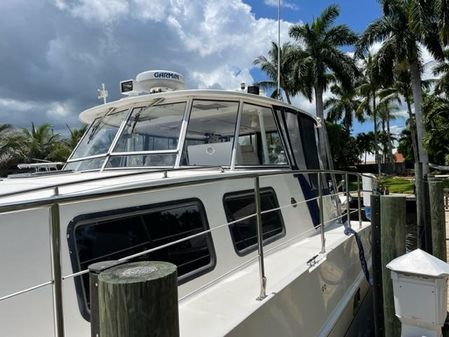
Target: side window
{"points": [[244, 233], [103, 237], [210, 133], [259, 139]]}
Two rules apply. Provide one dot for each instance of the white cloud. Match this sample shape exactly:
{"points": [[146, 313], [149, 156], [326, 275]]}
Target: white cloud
{"points": [[15, 104], [51, 72], [286, 4], [94, 11]]}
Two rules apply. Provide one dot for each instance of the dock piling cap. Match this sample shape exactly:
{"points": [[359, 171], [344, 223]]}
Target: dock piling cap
{"points": [[418, 262]]}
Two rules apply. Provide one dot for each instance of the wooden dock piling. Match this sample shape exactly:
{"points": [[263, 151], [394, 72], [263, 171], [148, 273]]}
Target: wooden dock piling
{"points": [[139, 299], [377, 267], [437, 219], [392, 245]]}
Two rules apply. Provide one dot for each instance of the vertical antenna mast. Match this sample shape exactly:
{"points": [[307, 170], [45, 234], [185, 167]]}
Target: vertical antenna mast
{"points": [[279, 50]]}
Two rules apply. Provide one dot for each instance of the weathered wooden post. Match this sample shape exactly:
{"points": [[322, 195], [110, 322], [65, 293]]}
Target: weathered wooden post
{"points": [[138, 299], [420, 207], [437, 220], [377, 267], [392, 230]]}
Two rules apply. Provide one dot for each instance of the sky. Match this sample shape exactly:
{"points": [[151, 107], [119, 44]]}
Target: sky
{"points": [[54, 54]]}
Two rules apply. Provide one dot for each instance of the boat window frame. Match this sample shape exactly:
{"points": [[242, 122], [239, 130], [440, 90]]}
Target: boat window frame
{"points": [[247, 250], [234, 135], [234, 165], [123, 213], [158, 101], [100, 155]]}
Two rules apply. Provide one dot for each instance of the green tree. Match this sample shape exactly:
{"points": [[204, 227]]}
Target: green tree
{"points": [[343, 146], [343, 105], [400, 87], [39, 141], [442, 70], [436, 138], [367, 88], [10, 146], [75, 136], [269, 65], [366, 143], [405, 25], [405, 145], [319, 46]]}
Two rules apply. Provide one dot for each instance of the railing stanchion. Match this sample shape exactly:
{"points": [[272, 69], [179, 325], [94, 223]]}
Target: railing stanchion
{"points": [[55, 250], [320, 200], [263, 279], [359, 202], [348, 209]]}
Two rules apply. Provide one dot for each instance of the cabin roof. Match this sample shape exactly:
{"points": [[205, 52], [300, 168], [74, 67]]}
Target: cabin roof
{"points": [[87, 116]]}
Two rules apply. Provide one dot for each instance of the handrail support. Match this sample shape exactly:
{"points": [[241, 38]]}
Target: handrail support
{"points": [[320, 200], [262, 276], [56, 273]]}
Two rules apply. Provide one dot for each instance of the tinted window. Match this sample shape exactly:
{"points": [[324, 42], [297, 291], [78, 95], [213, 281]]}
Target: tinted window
{"points": [[309, 141], [132, 231], [244, 233]]}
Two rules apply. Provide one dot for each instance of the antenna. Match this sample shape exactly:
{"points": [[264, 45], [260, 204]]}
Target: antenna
{"points": [[102, 93], [279, 50]]}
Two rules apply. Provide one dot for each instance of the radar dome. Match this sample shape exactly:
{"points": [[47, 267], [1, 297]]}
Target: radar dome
{"points": [[152, 81]]}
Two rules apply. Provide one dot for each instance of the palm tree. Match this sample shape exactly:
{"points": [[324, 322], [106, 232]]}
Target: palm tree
{"points": [[401, 87], [75, 136], [319, 47], [387, 109], [10, 145], [368, 88], [366, 143], [436, 139], [405, 25], [39, 141], [270, 66], [343, 105], [442, 68]]}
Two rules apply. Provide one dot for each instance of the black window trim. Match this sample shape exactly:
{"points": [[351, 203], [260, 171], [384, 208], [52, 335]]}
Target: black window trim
{"points": [[84, 219], [267, 241]]}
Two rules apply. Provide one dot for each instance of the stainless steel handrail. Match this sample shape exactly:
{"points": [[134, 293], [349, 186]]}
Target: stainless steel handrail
{"points": [[20, 205]]}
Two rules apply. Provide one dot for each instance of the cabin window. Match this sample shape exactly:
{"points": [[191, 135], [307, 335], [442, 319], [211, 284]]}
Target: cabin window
{"points": [[100, 135], [259, 139], [210, 133], [244, 233], [114, 235], [154, 128]]}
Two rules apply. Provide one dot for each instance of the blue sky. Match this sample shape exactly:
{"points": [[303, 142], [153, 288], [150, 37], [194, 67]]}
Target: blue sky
{"points": [[50, 69]]}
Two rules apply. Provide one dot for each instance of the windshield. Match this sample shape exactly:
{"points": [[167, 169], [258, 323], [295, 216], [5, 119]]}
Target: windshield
{"points": [[154, 128], [100, 135]]}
